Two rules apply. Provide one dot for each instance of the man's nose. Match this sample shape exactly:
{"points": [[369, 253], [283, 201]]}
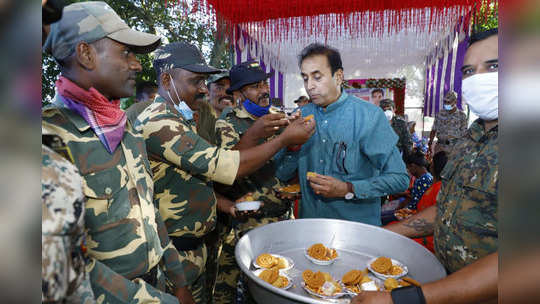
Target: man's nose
{"points": [[134, 64]]}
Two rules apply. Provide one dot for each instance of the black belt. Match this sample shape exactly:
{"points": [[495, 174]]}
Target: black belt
{"points": [[186, 243], [150, 277]]}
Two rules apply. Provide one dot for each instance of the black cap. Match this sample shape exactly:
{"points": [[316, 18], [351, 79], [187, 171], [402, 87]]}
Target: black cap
{"points": [[181, 55], [246, 73], [387, 102]]}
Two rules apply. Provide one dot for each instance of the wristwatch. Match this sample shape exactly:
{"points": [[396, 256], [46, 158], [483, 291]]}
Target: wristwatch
{"points": [[350, 191]]}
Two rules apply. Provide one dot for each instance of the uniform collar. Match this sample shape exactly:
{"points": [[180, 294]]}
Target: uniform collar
{"points": [[478, 133], [243, 113], [77, 120], [336, 104], [169, 106]]}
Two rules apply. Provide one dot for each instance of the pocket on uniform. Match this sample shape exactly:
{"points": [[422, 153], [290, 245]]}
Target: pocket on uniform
{"points": [[477, 209], [102, 189]]}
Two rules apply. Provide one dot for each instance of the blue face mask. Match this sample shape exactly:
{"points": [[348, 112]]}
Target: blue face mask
{"points": [[181, 107], [448, 107], [186, 111], [254, 109]]}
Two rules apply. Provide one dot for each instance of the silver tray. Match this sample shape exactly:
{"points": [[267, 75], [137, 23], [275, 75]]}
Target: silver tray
{"points": [[356, 244]]}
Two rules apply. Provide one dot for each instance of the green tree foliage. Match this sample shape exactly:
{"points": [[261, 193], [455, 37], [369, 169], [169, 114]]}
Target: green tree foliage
{"points": [[486, 18], [173, 21]]}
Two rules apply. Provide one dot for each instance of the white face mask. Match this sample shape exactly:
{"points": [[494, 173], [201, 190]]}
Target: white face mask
{"points": [[181, 107], [481, 92], [448, 107], [389, 114]]}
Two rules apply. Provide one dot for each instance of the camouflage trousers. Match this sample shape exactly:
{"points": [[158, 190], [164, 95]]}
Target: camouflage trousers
{"points": [[194, 262], [229, 274], [214, 243]]}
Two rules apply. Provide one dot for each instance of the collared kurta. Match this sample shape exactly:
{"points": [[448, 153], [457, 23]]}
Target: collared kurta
{"points": [[370, 162], [466, 225], [126, 235]]}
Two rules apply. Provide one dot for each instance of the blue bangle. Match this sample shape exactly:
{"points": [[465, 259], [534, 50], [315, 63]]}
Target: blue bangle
{"points": [[408, 295]]}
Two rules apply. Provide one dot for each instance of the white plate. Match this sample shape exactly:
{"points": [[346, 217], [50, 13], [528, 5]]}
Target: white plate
{"points": [[321, 262], [248, 206], [335, 296], [258, 271], [289, 261], [386, 276]]}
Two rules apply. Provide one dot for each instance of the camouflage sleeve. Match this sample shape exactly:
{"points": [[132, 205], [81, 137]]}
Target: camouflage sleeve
{"points": [[170, 140], [171, 259], [226, 136], [63, 275], [463, 124], [407, 138], [436, 123], [111, 287]]}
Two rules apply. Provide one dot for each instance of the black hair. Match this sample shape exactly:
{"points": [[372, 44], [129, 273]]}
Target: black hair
{"points": [[377, 90], [439, 161], [416, 157], [147, 87], [479, 36], [332, 54]]}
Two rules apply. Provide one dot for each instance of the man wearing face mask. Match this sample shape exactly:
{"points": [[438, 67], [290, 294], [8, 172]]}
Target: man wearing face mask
{"points": [[464, 221], [130, 256], [449, 126], [398, 124], [185, 165], [353, 154], [249, 81]]}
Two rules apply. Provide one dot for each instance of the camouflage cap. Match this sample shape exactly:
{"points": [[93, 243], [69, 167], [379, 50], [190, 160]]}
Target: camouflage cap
{"points": [[218, 77], [90, 22], [387, 102], [451, 96], [181, 55]]}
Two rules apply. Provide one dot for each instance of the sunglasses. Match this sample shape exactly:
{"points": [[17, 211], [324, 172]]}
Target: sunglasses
{"points": [[341, 154]]}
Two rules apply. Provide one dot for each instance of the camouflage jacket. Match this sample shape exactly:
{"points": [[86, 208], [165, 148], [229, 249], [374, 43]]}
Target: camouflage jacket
{"points": [[184, 166], [135, 109], [450, 125], [126, 235], [405, 140], [63, 260], [229, 128], [207, 122], [466, 225]]}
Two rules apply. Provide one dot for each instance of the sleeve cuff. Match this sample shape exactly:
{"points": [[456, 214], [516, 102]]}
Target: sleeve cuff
{"points": [[359, 189]]}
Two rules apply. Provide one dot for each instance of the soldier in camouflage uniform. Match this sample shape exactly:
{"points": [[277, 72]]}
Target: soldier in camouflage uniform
{"points": [[63, 258], [185, 165], [230, 127], [218, 99], [399, 125], [466, 226], [449, 126], [131, 259], [465, 219]]}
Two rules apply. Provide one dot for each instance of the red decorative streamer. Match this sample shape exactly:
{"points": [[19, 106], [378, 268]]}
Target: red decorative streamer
{"points": [[279, 20]]}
